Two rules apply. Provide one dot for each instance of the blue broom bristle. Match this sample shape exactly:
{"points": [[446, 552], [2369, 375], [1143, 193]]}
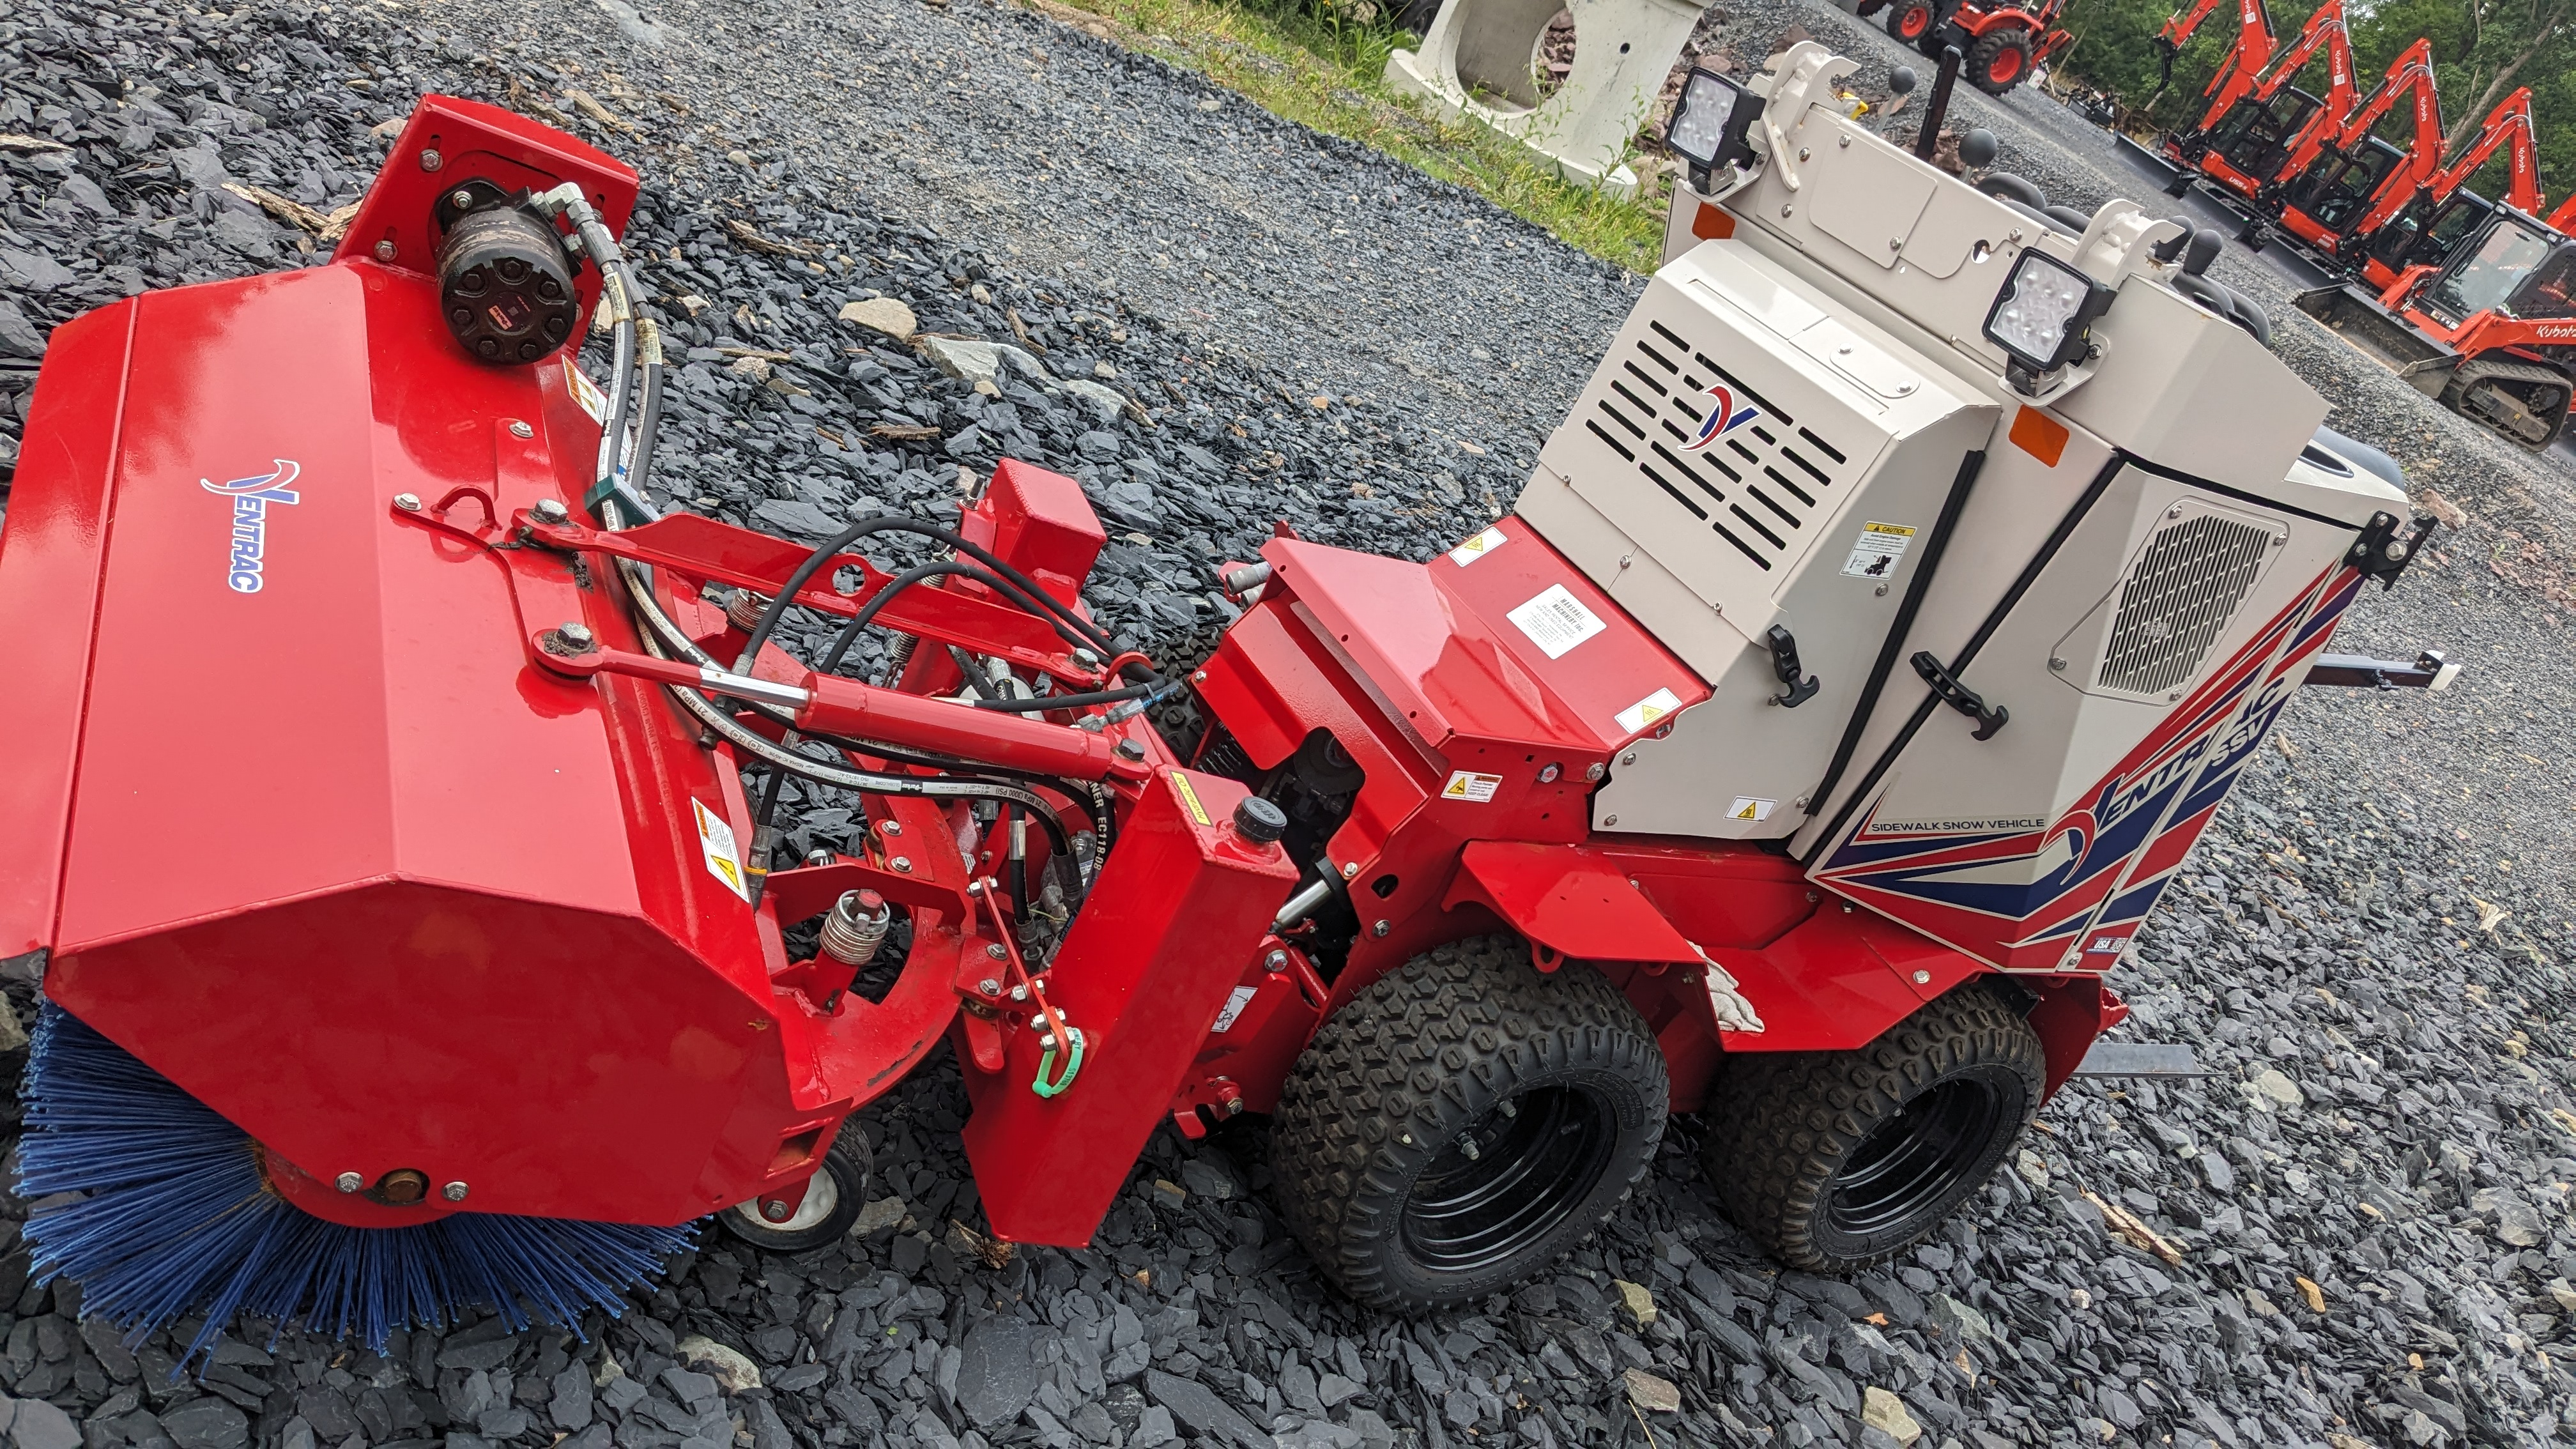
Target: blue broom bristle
{"points": [[176, 1218]]}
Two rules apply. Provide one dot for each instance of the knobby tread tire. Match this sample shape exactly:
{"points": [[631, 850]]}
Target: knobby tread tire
{"points": [[1981, 60], [1421, 1053], [1783, 1124]]}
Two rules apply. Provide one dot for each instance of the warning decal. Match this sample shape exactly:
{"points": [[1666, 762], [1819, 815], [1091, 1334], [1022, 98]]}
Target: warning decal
{"points": [[1477, 547], [1647, 711], [1556, 621], [1876, 552], [1471, 787], [715, 842], [1189, 798], [586, 393], [1235, 1002], [1748, 808]]}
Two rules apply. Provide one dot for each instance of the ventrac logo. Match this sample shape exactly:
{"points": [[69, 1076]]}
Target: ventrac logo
{"points": [[1725, 415], [246, 570]]}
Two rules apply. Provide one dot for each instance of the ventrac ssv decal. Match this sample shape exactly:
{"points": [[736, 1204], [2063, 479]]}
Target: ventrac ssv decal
{"points": [[2073, 893], [1725, 415], [246, 570]]}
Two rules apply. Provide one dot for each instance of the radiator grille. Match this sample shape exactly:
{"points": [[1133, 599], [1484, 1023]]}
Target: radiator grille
{"points": [[2178, 599], [1757, 487]]}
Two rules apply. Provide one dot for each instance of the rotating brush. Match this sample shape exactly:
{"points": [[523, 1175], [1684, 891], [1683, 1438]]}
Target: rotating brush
{"points": [[171, 1215]]}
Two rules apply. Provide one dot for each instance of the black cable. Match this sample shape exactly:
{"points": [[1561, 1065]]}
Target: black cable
{"points": [[640, 470]]}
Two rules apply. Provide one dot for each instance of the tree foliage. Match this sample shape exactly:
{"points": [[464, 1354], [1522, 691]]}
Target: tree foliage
{"points": [[2482, 50]]}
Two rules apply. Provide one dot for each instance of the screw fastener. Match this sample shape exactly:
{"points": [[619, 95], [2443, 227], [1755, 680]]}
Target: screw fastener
{"points": [[453, 1192], [1276, 961], [577, 635], [1922, 978], [901, 864], [407, 502], [431, 161], [989, 986], [994, 950], [1381, 928], [385, 251], [350, 1182], [550, 510], [520, 429]]}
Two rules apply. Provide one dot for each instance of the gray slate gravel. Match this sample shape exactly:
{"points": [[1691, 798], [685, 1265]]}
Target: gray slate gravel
{"points": [[2390, 1120]]}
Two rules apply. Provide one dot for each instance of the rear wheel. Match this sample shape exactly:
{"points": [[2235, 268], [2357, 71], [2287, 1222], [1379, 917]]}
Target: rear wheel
{"points": [[1998, 60], [1463, 1122], [1835, 1161], [1909, 20]]}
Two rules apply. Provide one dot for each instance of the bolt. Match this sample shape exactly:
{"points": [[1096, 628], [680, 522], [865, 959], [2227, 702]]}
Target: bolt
{"points": [[1128, 749], [1467, 1148], [2056, 665], [1276, 961], [453, 1192], [1019, 993], [520, 429], [350, 1182], [1894, 244], [1922, 978], [385, 251], [576, 635], [1629, 758], [431, 160], [890, 827], [901, 864], [1234, 1106], [1381, 928], [1842, 143], [989, 986], [1508, 1108], [1595, 770], [1786, 208], [976, 887], [995, 950], [407, 502], [1547, 774], [1199, 677], [1350, 870], [1609, 819], [549, 510], [1803, 153], [775, 1210], [820, 855], [1880, 591], [2174, 512], [460, 198]]}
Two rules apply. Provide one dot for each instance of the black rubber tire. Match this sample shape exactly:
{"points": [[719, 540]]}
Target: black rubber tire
{"points": [[1987, 54], [1916, 14], [1430, 1052], [1788, 1129], [845, 1175]]}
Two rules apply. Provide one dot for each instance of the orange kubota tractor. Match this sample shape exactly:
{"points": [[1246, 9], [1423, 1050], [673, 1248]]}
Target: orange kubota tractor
{"points": [[2490, 332], [2003, 41], [2443, 212], [2361, 179]]}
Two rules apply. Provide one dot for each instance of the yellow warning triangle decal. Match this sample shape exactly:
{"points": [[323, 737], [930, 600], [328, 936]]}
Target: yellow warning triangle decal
{"points": [[1746, 813]]}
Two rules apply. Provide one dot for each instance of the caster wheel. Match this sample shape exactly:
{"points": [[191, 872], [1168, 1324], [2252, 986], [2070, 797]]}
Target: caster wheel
{"points": [[832, 1202], [1464, 1122], [1837, 1161]]}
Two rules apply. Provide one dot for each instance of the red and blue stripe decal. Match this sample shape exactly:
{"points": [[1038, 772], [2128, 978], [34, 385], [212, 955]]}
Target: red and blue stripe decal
{"points": [[2020, 899]]}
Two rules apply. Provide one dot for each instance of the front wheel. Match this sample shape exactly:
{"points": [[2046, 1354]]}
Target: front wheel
{"points": [[1836, 1161], [1909, 20], [833, 1197], [1463, 1122], [1998, 61]]}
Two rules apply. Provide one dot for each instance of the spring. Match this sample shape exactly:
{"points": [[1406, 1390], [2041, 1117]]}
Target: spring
{"points": [[856, 926], [745, 609], [899, 649]]}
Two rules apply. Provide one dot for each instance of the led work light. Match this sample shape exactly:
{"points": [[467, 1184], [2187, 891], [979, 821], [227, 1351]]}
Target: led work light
{"points": [[1708, 125], [2043, 313]]}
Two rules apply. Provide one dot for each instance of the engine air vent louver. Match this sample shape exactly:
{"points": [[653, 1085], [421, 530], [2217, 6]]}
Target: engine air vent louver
{"points": [[1756, 484], [2177, 600]]}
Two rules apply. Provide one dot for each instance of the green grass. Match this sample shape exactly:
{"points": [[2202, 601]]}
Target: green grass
{"points": [[1323, 69]]}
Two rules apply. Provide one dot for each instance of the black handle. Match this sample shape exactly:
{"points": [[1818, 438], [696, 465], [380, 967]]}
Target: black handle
{"points": [[1784, 663]]}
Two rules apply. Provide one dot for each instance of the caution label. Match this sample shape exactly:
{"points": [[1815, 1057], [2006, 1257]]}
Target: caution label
{"points": [[1235, 1002], [1748, 808], [1646, 712], [1556, 621], [1477, 547], [586, 393], [1876, 552], [716, 844], [1189, 798], [1471, 787]]}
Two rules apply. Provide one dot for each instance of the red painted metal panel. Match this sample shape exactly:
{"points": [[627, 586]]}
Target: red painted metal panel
{"points": [[1180, 907], [1572, 900], [53, 549]]}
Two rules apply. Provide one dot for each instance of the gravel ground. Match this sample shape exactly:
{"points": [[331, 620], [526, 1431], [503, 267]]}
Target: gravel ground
{"points": [[2366, 1206]]}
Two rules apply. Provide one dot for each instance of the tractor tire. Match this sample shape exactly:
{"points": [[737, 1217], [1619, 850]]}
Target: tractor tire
{"points": [[1998, 61], [831, 1205], [1909, 20], [1464, 1122], [1838, 1161]]}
